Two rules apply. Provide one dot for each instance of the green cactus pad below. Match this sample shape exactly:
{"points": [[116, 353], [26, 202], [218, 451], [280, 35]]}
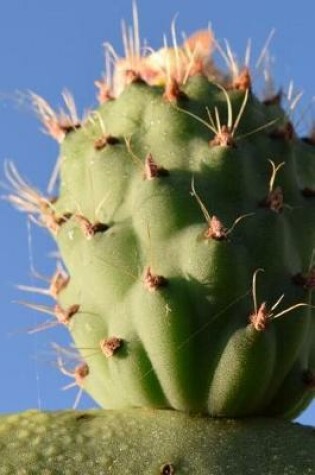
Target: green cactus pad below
{"points": [[146, 442]]}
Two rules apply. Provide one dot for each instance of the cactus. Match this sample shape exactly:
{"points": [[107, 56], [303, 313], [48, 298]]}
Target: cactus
{"points": [[151, 442], [185, 220]]}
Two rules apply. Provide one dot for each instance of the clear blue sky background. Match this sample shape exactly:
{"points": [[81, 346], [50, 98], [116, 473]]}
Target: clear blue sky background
{"points": [[47, 45]]}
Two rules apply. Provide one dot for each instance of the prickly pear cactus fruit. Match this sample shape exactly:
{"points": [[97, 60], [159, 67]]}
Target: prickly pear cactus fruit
{"points": [[185, 219]]}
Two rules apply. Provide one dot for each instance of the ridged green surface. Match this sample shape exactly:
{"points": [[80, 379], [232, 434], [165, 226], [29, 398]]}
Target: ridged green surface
{"points": [[189, 345], [144, 442]]}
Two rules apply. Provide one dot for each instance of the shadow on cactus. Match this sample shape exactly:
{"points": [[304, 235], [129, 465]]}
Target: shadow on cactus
{"points": [[174, 195]]}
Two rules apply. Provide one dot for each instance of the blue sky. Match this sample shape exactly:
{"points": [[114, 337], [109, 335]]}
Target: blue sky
{"points": [[47, 46]]}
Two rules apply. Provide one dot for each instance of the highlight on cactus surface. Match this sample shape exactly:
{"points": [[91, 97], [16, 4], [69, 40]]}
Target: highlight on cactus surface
{"points": [[163, 307]]}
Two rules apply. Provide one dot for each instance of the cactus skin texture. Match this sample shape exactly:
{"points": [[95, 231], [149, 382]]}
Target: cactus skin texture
{"points": [[149, 442], [186, 222]]}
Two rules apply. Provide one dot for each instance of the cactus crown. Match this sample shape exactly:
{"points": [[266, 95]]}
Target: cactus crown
{"points": [[174, 193]]}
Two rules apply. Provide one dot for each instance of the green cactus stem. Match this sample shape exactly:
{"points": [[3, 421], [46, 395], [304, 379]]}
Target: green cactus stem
{"points": [[148, 442]]}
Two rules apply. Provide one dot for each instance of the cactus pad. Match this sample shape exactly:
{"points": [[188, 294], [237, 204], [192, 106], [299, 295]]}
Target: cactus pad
{"points": [[151, 443]]}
